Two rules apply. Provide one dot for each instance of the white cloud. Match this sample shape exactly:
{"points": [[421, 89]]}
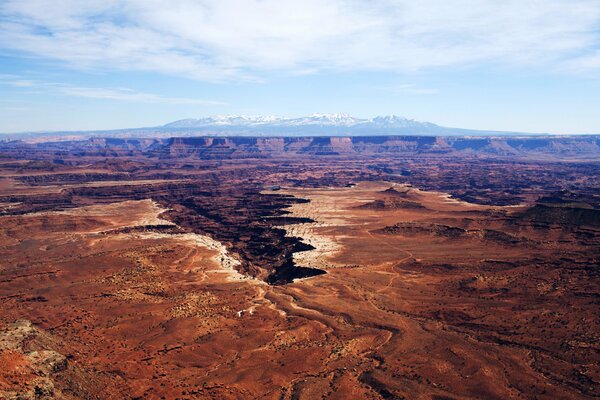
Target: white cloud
{"points": [[15, 109], [119, 94], [587, 62], [124, 94], [22, 83], [244, 39], [409, 88]]}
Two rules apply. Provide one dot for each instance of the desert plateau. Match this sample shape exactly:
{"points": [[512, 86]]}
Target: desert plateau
{"points": [[300, 268]]}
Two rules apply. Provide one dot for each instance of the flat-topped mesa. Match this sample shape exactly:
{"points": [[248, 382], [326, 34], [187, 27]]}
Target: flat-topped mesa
{"points": [[271, 146], [260, 147], [342, 144]]}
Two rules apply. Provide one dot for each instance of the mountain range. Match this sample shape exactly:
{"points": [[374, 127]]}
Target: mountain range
{"points": [[328, 120], [316, 124], [338, 124]]}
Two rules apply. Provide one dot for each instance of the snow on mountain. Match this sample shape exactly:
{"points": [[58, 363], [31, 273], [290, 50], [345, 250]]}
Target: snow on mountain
{"points": [[324, 120], [321, 120], [393, 121], [223, 120]]}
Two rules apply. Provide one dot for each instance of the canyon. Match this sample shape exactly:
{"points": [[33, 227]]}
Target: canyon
{"points": [[380, 267]]}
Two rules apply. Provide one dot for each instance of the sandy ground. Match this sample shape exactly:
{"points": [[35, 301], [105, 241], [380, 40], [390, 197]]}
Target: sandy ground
{"points": [[165, 315]]}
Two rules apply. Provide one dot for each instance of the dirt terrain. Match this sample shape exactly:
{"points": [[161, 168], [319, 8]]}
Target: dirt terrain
{"points": [[194, 272]]}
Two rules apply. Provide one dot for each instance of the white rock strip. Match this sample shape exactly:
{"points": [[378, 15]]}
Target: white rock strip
{"points": [[324, 246], [223, 258]]}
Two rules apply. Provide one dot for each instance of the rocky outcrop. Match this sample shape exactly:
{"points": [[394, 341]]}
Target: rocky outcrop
{"points": [[563, 215], [413, 228], [439, 230], [32, 368], [391, 204]]}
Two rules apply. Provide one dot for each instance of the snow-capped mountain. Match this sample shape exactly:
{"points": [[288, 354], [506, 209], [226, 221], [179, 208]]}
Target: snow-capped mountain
{"points": [[338, 120], [322, 125], [393, 121], [223, 120]]}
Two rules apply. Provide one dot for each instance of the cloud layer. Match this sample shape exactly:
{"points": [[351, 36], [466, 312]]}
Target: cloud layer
{"points": [[119, 94], [237, 39]]}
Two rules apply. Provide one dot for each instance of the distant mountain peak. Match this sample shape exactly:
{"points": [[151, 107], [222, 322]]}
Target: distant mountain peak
{"points": [[396, 121], [340, 120], [333, 117]]}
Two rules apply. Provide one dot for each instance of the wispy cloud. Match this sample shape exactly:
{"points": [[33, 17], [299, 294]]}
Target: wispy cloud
{"points": [[124, 94], [409, 88], [15, 109], [119, 94], [22, 83], [587, 62], [242, 39]]}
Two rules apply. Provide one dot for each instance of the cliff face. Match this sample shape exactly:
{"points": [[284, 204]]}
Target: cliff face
{"points": [[575, 147], [587, 147]]}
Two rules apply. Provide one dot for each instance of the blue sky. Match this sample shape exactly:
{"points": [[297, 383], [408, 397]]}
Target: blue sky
{"points": [[527, 65]]}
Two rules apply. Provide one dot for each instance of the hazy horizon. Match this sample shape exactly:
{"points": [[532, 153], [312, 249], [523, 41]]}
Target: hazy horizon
{"points": [[257, 131]]}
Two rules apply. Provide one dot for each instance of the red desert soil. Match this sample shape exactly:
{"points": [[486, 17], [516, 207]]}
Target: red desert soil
{"points": [[406, 309], [300, 268]]}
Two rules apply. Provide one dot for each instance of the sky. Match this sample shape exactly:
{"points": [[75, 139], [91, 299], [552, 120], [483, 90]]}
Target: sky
{"points": [[514, 65]]}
